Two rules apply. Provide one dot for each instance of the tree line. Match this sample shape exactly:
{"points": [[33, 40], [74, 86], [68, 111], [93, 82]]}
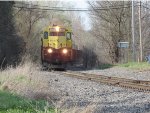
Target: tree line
{"points": [[21, 28], [10, 42], [113, 24]]}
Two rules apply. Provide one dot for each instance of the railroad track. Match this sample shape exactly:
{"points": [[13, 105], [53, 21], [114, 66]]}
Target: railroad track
{"points": [[115, 81]]}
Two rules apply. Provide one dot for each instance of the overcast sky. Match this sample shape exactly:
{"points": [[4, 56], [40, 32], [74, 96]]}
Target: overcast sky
{"points": [[77, 4], [84, 15], [81, 3]]}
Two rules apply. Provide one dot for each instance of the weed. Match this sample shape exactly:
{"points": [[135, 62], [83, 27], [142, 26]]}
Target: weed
{"points": [[12, 103], [136, 65], [105, 66]]}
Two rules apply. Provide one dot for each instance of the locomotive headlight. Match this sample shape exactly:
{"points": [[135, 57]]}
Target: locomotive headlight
{"points": [[57, 29], [49, 50], [65, 51]]}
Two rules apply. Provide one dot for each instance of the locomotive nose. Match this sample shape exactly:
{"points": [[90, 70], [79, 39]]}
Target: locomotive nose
{"points": [[58, 42]]}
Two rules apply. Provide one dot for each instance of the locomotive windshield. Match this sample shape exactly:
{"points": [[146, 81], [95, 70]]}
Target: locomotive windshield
{"points": [[57, 34]]}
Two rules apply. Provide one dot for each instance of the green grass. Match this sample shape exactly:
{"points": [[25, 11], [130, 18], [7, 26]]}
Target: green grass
{"points": [[130, 65], [105, 66], [136, 65], [11, 103]]}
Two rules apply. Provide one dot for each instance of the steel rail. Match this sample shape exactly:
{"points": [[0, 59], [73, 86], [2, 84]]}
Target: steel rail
{"points": [[115, 81]]}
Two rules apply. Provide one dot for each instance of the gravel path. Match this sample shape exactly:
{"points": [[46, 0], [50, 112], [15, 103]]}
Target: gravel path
{"points": [[72, 92]]}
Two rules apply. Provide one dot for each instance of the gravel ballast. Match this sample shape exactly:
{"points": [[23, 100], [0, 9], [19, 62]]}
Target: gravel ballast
{"points": [[76, 93], [122, 72]]}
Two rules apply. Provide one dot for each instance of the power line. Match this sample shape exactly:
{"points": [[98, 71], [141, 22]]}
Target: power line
{"points": [[53, 9], [36, 5], [71, 9]]}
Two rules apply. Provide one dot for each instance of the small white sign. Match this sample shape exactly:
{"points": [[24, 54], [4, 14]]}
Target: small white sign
{"points": [[123, 44]]}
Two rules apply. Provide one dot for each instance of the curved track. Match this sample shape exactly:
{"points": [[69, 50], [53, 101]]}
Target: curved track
{"points": [[115, 81]]}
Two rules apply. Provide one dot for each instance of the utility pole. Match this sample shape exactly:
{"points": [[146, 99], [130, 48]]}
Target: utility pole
{"points": [[133, 37], [140, 33]]}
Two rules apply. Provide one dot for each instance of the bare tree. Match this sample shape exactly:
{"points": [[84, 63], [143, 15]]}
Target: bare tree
{"points": [[30, 24], [111, 24]]}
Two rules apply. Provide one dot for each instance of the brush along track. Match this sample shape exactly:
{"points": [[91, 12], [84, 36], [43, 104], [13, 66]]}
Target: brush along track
{"points": [[115, 81]]}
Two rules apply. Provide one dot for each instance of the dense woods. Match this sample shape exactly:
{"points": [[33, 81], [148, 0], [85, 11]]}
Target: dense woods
{"points": [[10, 43], [21, 28]]}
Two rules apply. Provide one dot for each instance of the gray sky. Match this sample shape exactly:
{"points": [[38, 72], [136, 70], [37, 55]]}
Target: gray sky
{"points": [[84, 15], [75, 4]]}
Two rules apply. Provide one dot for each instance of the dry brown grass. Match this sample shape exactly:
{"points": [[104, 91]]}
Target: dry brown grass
{"points": [[27, 80]]}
